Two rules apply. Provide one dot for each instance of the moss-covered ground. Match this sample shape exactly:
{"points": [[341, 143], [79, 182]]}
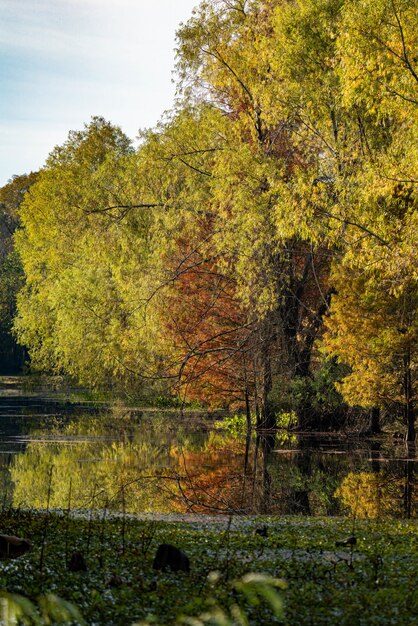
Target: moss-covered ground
{"points": [[373, 582]]}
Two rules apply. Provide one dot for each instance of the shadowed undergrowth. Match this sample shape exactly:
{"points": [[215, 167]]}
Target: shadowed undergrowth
{"points": [[370, 582]]}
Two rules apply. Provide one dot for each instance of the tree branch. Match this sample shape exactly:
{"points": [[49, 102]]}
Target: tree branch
{"points": [[126, 207], [355, 224]]}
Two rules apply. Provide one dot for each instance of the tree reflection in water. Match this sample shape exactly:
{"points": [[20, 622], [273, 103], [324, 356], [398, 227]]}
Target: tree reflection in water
{"points": [[161, 463]]}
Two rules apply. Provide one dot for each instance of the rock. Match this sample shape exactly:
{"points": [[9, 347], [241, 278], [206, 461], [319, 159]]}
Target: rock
{"points": [[12, 547], [77, 563], [263, 531], [350, 541], [172, 557]]}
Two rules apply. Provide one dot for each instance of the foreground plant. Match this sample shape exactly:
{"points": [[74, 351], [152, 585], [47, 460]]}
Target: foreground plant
{"points": [[16, 609], [327, 575], [255, 589]]}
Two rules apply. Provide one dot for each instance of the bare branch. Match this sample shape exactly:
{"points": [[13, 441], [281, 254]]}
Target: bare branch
{"points": [[196, 169], [355, 224], [216, 55], [127, 207]]}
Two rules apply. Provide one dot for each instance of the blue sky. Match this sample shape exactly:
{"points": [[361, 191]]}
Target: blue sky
{"points": [[62, 61]]}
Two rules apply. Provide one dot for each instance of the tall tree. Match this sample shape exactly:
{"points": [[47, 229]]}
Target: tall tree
{"points": [[212, 254], [373, 323], [11, 275], [78, 261], [224, 58]]}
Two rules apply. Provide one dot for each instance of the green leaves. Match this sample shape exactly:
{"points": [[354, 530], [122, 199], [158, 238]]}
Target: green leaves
{"points": [[76, 310], [287, 166], [299, 575], [52, 610]]}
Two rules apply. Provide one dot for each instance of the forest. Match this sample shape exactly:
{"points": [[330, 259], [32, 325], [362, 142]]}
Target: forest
{"points": [[257, 250]]}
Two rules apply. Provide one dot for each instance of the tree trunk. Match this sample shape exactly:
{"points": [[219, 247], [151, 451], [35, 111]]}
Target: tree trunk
{"points": [[374, 428], [410, 423], [409, 412], [267, 419], [301, 327]]}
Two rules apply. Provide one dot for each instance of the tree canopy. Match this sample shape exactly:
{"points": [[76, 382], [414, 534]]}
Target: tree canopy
{"points": [[264, 230]]}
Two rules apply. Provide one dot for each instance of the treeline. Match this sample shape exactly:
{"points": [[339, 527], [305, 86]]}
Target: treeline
{"points": [[260, 244], [12, 356]]}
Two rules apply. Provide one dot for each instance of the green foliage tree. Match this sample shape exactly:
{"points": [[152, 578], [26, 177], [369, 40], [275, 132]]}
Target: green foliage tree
{"points": [[11, 274], [286, 169], [78, 308], [224, 57]]}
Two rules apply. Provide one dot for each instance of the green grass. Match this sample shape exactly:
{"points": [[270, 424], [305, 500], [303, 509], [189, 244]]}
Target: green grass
{"points": [[372, 584]]}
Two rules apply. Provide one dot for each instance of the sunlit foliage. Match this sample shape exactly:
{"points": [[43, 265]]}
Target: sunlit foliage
{"points": [[371, 495], [280, 189]]}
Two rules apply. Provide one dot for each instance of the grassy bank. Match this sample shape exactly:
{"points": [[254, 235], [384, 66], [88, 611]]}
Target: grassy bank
{"points": [[371, 582]]}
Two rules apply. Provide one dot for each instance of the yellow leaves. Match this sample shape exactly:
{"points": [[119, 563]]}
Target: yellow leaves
{"points": [[369, 495], [378, 51], [373, 328], [301, 129]]}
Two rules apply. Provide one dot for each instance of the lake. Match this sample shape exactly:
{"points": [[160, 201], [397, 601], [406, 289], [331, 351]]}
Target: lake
{"points": [[61, 450]]}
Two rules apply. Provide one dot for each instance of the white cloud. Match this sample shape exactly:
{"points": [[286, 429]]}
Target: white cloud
{"points": [[62, 61]]}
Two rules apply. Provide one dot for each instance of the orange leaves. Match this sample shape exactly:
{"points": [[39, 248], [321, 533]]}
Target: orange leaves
{"points": [[205, 327]]}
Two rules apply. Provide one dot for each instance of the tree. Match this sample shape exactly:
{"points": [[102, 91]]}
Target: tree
{"points": [[373, 323], [346, 76], [211, 255], [373, 328], [11, 274], [75, 310], [223, 57]]}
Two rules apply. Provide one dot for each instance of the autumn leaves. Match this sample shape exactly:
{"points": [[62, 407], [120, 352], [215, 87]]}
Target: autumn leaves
{"points": [[280, 194]]}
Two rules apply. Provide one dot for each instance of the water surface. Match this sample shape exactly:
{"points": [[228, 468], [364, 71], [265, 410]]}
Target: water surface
{"points": [[59, 450]]}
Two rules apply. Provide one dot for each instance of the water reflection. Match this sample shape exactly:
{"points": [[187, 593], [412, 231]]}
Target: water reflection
{"points": [[70, 454]]}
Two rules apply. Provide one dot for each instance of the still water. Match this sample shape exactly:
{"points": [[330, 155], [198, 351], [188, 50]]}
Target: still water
{"points": [[58, 450]]}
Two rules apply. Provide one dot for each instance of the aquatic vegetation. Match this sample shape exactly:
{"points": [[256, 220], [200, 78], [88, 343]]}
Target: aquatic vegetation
{"points": [[296, 574]]}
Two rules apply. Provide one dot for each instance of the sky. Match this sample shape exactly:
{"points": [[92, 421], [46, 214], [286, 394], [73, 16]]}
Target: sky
{"points": [[63, 61]]}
